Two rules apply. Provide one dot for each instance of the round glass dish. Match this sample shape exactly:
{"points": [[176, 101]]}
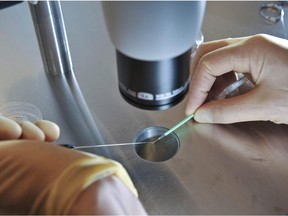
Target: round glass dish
{"points": [[271, 12], [21, 111]]}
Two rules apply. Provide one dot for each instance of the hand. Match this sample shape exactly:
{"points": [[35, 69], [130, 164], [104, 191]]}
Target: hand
{"points": [[41, 130], [42, 178], [264, 57]]}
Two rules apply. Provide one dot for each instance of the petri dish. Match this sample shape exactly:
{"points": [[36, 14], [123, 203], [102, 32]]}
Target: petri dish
{"points": [[21, 111], [271, 12], [162, 150]]}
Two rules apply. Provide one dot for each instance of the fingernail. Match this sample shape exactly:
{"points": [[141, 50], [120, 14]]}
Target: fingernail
{"points": [[189, 110]]}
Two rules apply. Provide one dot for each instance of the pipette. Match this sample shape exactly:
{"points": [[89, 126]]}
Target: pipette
{"points": [[175, 127], [243, 79], [97, 146], [133, 143], [232, 87]]}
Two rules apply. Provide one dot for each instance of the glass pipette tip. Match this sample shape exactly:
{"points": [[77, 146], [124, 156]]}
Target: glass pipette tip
{"points": [[135, 143], [189, 117]]}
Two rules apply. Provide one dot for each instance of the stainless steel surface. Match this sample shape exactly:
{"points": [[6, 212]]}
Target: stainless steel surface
{"points": [[51, 34], [219, 169]]}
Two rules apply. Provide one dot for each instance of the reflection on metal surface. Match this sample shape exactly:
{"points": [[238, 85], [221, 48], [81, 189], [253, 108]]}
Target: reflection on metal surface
{"points": [[160, 150], [75, 111], [52, 39]]}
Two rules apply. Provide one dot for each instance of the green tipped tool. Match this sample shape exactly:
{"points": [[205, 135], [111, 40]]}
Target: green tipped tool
{"points": [[135, 143], [175, 127]]}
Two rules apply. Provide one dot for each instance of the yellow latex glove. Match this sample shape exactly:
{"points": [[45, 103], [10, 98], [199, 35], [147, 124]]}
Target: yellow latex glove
{"points": [[42, 178]]}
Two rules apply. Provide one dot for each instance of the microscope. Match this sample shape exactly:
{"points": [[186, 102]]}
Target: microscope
{"points": [[153, 42]]}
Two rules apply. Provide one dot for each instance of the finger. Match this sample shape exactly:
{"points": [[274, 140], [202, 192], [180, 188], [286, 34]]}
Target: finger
{"points": [[213, 64], [242, 108], [50, 129], [31, 131], [9, 129], [208, 47], [204, 49]]}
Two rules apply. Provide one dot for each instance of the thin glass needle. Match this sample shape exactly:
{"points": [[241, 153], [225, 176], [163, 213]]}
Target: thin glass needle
{"points": [[108, 145], [135, 143], [175, 127]]}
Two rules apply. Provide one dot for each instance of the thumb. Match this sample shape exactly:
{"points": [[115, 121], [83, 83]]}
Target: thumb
{"points": [[242, 108]]}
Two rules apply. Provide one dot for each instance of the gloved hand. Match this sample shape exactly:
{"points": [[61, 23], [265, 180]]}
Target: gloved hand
{"points": [[263, 57], [42, 178]]}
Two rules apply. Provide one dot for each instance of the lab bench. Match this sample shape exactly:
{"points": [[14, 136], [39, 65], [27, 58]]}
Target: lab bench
{"points": [[219, 169]]}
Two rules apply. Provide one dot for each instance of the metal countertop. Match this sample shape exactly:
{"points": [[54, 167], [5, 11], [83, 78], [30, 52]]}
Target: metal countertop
{"points": [[219, 169]]}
